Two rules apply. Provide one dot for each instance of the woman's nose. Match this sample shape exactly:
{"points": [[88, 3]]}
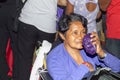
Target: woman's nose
{"points": [[80, 36]]}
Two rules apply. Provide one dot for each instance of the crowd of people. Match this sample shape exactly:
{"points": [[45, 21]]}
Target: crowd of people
{"points": [[25, 22]]}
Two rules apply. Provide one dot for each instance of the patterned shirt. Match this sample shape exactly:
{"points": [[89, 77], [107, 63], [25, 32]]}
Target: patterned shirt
{"points": [[80, 8]]}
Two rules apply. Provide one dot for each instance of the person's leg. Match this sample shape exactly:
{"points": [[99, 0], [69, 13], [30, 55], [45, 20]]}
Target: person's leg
{"points": [[113, 46], [3, 62], [3, 44], [26, 40], [46, 36], [104, 22]]}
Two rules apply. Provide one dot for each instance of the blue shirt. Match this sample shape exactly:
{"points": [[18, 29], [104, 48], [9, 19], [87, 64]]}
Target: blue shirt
{"points": [[61, 66]]}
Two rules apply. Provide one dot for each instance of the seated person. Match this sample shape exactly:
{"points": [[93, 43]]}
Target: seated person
{"points": [[69, 61]]}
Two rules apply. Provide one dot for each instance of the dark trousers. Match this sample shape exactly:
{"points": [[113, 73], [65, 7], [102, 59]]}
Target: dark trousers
{"points": [[6, 17], [27, 36], [113, 46], [3, 43]]}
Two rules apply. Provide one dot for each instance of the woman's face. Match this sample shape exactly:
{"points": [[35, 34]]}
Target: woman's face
{"points": [[74, 35]]}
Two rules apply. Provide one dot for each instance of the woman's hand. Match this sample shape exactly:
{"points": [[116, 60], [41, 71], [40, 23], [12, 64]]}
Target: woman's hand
{"points": [[89, 65], [95, 41]]}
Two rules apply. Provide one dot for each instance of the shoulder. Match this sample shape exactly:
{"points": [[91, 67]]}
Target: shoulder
{"points": [[56, 55], [57, 51]]}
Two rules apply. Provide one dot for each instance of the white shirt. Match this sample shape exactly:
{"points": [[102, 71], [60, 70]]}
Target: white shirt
{"points": [[80, 8], [41, 14]]}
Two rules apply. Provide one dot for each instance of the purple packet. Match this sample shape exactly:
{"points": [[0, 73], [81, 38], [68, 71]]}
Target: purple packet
{"points": [[88, 46]]}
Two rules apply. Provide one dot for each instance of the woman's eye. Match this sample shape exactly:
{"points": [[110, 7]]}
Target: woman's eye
{"points": [[75, 33], [84, 32], [79, 33]]}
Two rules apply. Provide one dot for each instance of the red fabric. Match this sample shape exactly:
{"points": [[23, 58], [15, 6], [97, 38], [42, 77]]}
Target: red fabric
{"points": [[9, 57], [113, 20]]}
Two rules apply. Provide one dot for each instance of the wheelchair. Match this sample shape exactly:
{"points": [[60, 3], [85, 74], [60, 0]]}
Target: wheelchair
{"points": [[39, 70]]}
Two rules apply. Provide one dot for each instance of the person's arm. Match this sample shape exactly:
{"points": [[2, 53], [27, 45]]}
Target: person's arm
{"points": [[105, 58], [59, 69], [104, 4], [58, 72], [69, 8], [111, 62], [62, 2], [99, 14]]}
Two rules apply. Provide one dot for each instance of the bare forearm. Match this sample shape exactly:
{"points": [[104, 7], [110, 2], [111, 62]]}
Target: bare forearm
{"points": [[104, 4], [69, 8]]}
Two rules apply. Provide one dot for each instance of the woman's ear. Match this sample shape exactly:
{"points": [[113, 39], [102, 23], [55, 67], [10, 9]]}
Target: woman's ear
{"points": [[62, 36]]}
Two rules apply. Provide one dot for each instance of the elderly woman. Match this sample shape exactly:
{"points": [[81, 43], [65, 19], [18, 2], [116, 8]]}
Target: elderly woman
{"points": [[69, 61]]}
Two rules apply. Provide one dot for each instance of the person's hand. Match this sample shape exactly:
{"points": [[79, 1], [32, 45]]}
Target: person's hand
{"points": [[89, 65], [95, 41]]}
